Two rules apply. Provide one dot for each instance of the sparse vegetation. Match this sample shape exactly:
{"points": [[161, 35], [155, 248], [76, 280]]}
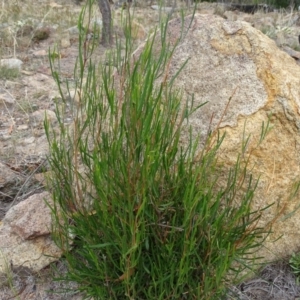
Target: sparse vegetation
{"points": [[8, 73], [6, 278], [26, 106]]}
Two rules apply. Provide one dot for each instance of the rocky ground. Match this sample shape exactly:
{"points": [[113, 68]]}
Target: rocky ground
{"points": [[27, 31]]}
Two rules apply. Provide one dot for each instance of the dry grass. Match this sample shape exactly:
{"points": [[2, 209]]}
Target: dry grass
{"points": [[274, 282]]}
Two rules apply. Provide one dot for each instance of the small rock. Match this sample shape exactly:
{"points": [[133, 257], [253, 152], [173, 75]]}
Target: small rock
{"points": [[65, 42], [164, 9], [28, 140], [40, 53], [73, 96], [25, 235], [41, 178], [54, 96], [11, 63], [30, 218], [5, 137], [55, 5], [41, 77], [28, 73], [6, 97], [73, 30], [22, 127], [231, 27], [37, 118]]}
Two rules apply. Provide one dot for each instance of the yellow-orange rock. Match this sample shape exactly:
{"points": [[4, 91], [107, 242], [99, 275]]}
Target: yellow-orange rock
{"points": [[233, 60]]}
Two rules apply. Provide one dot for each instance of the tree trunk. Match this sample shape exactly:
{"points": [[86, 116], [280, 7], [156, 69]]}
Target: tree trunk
{"points": [[106, 39]]}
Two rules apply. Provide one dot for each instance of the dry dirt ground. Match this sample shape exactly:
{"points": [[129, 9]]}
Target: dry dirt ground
{"points": [[28, 29]]}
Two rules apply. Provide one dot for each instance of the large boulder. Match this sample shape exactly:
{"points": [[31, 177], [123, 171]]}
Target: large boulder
{"points": [[247, 81]]}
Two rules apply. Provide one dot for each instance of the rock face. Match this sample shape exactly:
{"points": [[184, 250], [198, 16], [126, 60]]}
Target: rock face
{"points": [[25, 235], [246, 79]]}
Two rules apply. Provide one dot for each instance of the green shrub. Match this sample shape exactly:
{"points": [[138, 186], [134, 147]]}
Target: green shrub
{"points": [[148, 216], [295, 265]]}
